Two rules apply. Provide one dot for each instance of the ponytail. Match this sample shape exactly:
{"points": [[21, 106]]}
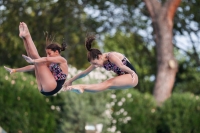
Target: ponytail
{"points": [[63, 46], [88, 42], [92, 52]]}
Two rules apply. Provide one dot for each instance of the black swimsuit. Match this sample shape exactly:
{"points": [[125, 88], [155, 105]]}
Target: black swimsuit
{"points": [[59, 76], [112, 67], [58, 87]]}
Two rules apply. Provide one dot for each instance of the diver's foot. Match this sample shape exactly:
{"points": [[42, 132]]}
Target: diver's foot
{"points": [[76, 88], [76, 91], [23, 30]]}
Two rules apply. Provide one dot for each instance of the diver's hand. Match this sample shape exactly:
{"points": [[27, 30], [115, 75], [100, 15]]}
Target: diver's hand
{"points": [[10, 70], [133, 76], [28, 59], [66, 84]]}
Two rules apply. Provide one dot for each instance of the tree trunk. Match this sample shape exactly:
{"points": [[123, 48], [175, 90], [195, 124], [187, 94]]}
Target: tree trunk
{"points": [[162, 20]]}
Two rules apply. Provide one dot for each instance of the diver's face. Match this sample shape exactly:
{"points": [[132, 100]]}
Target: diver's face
{"points": [[51, 53], [97, 62]]}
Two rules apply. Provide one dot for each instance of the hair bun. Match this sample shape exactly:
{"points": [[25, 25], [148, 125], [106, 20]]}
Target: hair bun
{"points": [[64, 45]]}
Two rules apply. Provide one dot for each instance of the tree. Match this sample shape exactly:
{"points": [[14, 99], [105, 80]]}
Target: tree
{"points": [[162, 15]]}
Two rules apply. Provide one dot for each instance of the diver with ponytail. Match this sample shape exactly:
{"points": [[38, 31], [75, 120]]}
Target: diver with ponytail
{"points": [[111, 61], [51, 71]]}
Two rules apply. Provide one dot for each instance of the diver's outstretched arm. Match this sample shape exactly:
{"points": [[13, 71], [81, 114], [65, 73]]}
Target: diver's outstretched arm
{"points": [[78, 76], [22, 69]]}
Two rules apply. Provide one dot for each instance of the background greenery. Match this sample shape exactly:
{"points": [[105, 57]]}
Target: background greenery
{"points": [[119, 25]]}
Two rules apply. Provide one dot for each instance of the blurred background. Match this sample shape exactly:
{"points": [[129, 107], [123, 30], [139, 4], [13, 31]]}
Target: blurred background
{"points": [[165, 53]]}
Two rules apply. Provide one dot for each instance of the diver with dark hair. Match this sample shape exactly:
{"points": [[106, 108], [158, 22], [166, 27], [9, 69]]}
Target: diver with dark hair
{"points": [[111, 61], [51, 71]]}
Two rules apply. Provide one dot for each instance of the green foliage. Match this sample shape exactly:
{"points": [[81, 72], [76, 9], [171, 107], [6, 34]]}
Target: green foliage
{"points": [[186, 23], [82, 109], [136, 112], [187, 80], [78, 110], [23, 108], [180, 114]]}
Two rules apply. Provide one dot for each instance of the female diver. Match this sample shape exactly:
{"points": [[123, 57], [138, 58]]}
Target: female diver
{"points": [[51, 71], [111, 61]]}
